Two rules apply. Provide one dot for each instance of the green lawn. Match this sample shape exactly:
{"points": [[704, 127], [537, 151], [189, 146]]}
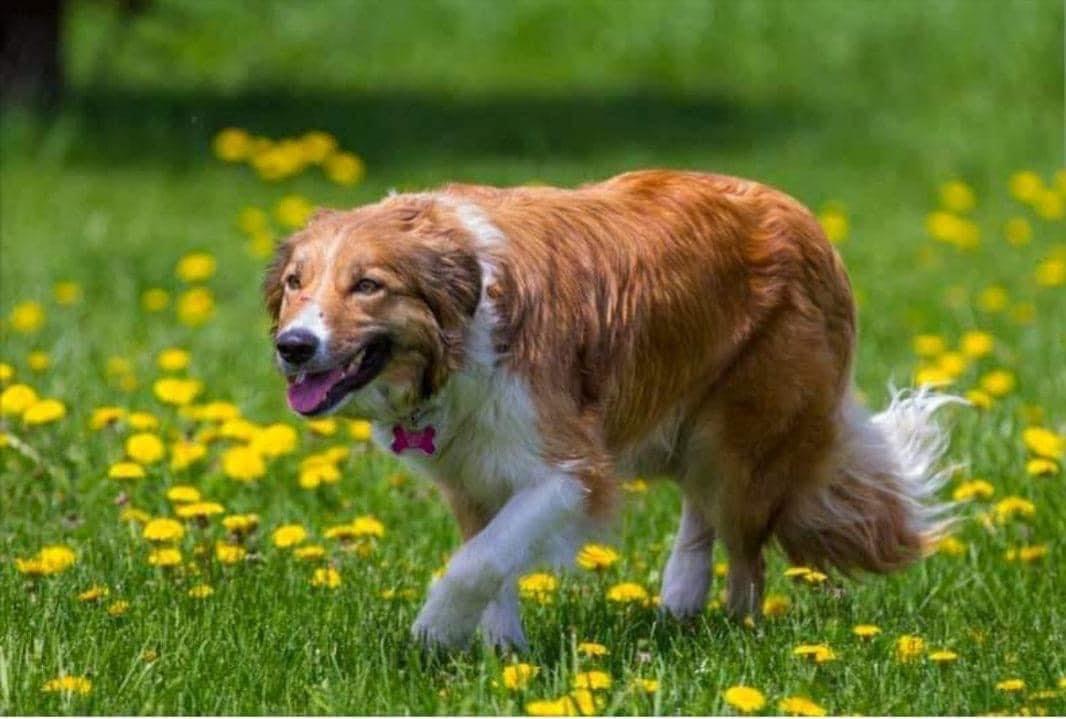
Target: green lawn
{"points": [[860, 108]]}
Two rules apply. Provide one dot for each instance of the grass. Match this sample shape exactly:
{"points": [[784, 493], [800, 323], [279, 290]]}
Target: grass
{"points": [[868, 107]]}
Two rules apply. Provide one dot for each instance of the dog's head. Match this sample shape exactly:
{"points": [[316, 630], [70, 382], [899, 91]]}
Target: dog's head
{"points": [[370, 307]]}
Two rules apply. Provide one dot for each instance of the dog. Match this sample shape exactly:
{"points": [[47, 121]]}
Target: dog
{"points": [[526, 347]]}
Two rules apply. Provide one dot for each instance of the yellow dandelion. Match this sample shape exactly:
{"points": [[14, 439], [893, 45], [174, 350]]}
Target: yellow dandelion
{"points": [[227, 553], [360, 430], [44, 411], [973, 489], [538, 587], [243, 464], [943, 656], [818, 653], [184, 453], [1050, 273], [241, 523], [1011, 685], [929, 345], [326, 427], [143, 421], [998, 382], [909, 647], [951, 546], [326, 577], [201, 591], [232, 145], [38, 361], [163, 529], [165, 557], [592, 649], [27, 317], [105, 416], [835, 224], [1044, 443], [252, 219], [293, 211], [344, 168], [118, 608], [195, 267], [289, 535], [563, 706], [649, 686], [176, 391], [866, 631], [310, 552], [317, 145], [1018, 231], [66, 293], [133, 514], [155, 300], [196, 306], [275, 440], [993, 299], [776, 605], [145, 447], [1013, 506], [592, 680], [126, 470], [6, 372], [199, 510], [800, 706], [17, 398], [313, 474], [957, 196], [976, 344], [596, 557], [94, 593], [745, 699], [51, 559], [518, 676], [172, 359], [635, 486], [979, 398], [1025, 185], [66, 684], [1041, 467], [181, 493], [627, 592]]}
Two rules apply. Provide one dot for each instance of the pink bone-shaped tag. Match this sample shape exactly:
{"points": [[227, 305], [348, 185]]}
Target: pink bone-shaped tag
{"points": [[413, 439]]}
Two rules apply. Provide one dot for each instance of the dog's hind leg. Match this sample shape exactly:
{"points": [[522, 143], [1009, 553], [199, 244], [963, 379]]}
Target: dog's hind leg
{"points": [[687, 576]]}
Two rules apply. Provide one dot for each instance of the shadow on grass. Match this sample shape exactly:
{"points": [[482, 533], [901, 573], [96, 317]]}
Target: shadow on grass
{"points": [[407, 129]]}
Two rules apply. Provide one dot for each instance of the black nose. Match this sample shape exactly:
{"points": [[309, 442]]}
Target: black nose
{"points": [[296, 346]]}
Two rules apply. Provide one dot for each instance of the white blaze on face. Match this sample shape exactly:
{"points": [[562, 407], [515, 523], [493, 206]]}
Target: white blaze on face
{"points": [[312, 319]]}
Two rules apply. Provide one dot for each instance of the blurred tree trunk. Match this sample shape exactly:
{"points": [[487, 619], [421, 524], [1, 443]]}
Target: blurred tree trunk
{"points": [[31, 65]]}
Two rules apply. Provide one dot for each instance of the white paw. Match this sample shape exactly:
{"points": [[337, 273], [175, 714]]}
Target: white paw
{"points": [[448, 618], [501, 626], [685, 585]]}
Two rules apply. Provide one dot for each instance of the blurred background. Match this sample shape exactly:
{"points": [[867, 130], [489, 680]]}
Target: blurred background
{"points": [[112, 113]]}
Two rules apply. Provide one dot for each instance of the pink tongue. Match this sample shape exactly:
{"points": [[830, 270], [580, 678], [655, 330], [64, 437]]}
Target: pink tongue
{"points": [[307, 395]]}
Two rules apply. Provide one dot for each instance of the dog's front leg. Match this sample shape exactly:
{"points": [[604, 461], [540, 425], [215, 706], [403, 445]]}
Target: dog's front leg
{"points": [[509, 544]]}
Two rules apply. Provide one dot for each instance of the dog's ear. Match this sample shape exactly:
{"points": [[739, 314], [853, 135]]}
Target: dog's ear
{"points": [[273, 291]]}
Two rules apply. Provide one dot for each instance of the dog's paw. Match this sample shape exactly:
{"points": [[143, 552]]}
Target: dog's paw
{"points": [[501, 628], [448, 619]]}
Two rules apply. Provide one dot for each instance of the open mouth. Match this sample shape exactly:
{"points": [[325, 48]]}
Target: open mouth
{"points": [[312, 393]]}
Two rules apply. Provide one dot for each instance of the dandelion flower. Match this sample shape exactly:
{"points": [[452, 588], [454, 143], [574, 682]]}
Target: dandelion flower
{"points": [[1025, 185], [66, 293], [65, 684], [538, 587], [943, 656], [993, 299], [243, 464], [595, 679], [199, 510], [201, 591], [517, 676], [563, 706], [818, 653], [241, 523], [232, 145], [952, 546], [976, 344], [649, 686], [94, 593], [51, 559], [275, 440], [155, 300], [1044, 443], [325, 427], [909, 647], [998, 382], [745, 699], [17, 398], [27, 317], [1050, 273], [143, 421], [344, 168], [326, 577], [180, 493], [596, 557], [627, 592], [165, 557], [957, 196], [145, 448], [1013, 506], [195, 267], [776, 605], [126, 470], [360, 430], [229, 553], [929, 345], [1041, 467], [866, 631], [289, 535], [38, 361], [310, 552], [835, 224], [313, 474], [184, 453], [118, 608], [800, 706], [1011, 685], [592, 649], [635, 486], [196, 306], [293, 211], [44, 411], [163, 529], [973, 489], [105, 416]]}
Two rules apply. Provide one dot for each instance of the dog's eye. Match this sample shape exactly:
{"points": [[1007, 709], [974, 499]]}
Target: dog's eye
{"points": [[292, 282], [366, 286]]}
